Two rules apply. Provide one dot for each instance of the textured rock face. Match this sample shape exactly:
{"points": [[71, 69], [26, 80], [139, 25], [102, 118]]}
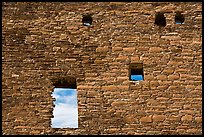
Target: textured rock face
{"points": [[44, 42]]}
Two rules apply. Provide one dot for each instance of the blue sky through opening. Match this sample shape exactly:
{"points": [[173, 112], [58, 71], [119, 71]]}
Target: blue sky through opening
{"points": [[178, 22], [66, 108], [136, 77]]}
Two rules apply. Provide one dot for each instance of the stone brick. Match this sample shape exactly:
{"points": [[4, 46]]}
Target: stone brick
{"points": [[134, 59], [172, 62], [118, 103], [122, 78], [113, 130], [129, 119], [131, 49], [174, 118], [187, 118], [157, 118], [171, 37], [85, 87], [122, 58], [102, 49], [70, 60], [173, 87], [185, 76], [168, 71], [193, 130], [43, 43], [198, 119], [190, 87], [148, 77], [123, 87], [154, 83], [92, 93], [162, 77], [146, 119], [21, 127], [182, 70], [111, 88], [173, 77], [155, 49], [117, 49]]}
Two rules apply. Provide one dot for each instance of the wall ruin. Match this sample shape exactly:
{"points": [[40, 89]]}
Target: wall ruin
{"points": [[43, 42]]}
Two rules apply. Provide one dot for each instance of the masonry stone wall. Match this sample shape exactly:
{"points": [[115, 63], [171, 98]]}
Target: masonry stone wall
{"points": [[43, 42]]}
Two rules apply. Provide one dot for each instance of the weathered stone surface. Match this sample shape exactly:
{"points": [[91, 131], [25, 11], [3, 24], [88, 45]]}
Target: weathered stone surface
{"points": [[193, 130], [187, 118], [146, 119], [111, 88], [161, 77], [102, 49], [198, 119], [168, 71], [157, 118], [171, 37], [155, 49], [174, 118], [135, 59], [117, 49], [45, 44], [131, 49], [173, 77]]}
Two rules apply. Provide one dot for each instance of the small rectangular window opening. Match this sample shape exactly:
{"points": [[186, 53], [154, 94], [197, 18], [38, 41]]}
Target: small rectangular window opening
{"points": [[136, 72], [65, 111]]}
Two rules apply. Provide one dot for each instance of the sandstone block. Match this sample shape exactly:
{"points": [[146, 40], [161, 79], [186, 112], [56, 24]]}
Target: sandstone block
{"points": [[146, 119], [123, 87], [154, 83], [134, 59], [111, 88], [161, 77], [174, 118], [173, 77], [157, 118], [168, 71], [131, 49], [102, 49], [21, 127], [148, 77], [185, 76], [190, 87], [72, 27], [122, 58], [118, 103], [92, 93], [198, 119], [187, 118], [171, 37], [117, 49], [155, 49], [84, 87], [71, 60], [113, 130], [129, 119], [173, 87], [175, 63], [193, 130], [181, 70]]}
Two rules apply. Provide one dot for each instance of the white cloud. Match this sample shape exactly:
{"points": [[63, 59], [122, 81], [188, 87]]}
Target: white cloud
{"points": [[65, 111]]}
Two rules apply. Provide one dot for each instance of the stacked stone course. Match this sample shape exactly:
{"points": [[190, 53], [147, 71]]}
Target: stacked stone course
{"points": [[43, 42]]}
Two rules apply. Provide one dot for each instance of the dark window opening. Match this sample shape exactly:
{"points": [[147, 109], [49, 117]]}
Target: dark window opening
{"points": [[68, 82], [65, 111], [179, 18], [87, 20], [160, 20], [136, 72]]}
